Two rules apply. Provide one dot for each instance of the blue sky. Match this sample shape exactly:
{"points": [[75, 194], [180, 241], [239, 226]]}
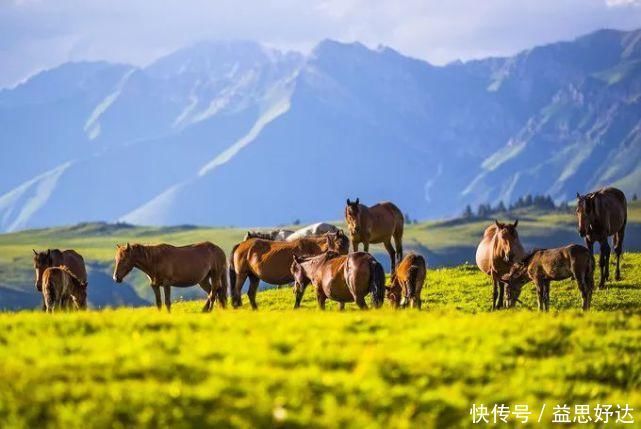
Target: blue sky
{"points": [[39, 34]]}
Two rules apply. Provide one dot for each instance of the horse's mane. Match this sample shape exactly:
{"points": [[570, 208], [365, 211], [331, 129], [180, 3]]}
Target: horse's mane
{"points": [[528, 257]]}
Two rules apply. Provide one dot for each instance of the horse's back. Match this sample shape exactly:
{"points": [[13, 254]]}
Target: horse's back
{"points": [[614, 206], [76, 263]]}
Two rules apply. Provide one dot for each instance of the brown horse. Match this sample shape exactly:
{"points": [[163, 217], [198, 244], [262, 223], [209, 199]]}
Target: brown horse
{"points": [[55, 258], [497, 251], [377, 224], [59, 285], [407, 282], [348, 278], [601, 214], [270, 261], [543, 266], [166, 266]]}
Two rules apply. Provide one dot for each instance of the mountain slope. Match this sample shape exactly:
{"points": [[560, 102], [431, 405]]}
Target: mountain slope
{"points": [[219, 131]]}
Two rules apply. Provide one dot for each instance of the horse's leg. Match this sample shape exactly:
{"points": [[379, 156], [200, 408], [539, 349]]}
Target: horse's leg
{"points": [[355, 244], [156, 290], [540, 294], [321, 298], [360, 301], [251, 292], [502, 287], [398, 242], [237, 300], [392, 254], [222, 288], [209, 303], [604, 261], [547, 295], [495, 293], [167, 290], [618, 249], [341, 306]]}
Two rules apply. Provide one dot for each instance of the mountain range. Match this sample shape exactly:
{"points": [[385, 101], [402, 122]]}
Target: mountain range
{"points": [[235, 133]]}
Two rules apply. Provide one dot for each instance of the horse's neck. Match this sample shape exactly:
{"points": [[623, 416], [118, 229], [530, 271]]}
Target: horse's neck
{"points": [[144, 261]]}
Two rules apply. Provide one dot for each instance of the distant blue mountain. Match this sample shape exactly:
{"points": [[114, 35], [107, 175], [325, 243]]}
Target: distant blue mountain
{"points": [[234, 133]]}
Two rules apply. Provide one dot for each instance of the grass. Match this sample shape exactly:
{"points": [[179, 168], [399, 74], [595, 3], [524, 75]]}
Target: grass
{"points": [[283, 368]]}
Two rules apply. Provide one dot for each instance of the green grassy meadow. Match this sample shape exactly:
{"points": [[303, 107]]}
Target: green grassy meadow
{"points": [[278, 367]]}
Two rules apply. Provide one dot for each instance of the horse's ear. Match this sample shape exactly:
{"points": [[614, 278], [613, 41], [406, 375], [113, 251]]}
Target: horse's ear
{"points": [[497, 223], [357, 201], [578, 196], [348, 202], [516, 223], [48, 252], [127, 246], [34, 252]]}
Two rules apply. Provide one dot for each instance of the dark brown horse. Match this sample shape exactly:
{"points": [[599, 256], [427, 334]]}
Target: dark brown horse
{"points": [[348, 278], [601, 214], [56, 258], [498, 250], [201, 264], [59, 286], [407, 282], [270, 261], [543, 266], [377, 224]]}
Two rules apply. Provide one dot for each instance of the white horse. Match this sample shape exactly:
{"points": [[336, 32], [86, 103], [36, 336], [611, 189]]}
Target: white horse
{"points": [[315, 229]]}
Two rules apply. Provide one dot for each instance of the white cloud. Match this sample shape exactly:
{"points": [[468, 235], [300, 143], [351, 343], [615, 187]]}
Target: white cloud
{"points": [[36, 34]]}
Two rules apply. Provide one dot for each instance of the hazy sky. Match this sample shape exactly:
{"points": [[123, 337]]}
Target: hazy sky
{"points": [[37, 34]]}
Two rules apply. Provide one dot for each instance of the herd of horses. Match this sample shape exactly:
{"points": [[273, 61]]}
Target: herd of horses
{"points": [[320, 255]]}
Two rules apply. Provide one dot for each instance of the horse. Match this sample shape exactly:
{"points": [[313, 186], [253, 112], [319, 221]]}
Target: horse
{"points": [[275, 235], [376, 224], [55, 258], [499, 248], [312, 230], [407, 282], [601, 214], [59, 284], [270, 261], [166, 265], [347, 278], [545, 265]]}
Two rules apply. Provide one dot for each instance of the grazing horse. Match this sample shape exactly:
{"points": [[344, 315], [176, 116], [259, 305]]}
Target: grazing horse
{"points": [[601, 214], [495, 254], [270, 261], [376, 224], [55, 258], [59, 285], [543, 266], [407, 282], [312, 230], [166, 266], [348, 278]]}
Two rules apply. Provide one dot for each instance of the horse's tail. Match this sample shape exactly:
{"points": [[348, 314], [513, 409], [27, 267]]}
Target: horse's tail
{"points": [[232, 273], [590, 274], [377, 282], [74, 278]]}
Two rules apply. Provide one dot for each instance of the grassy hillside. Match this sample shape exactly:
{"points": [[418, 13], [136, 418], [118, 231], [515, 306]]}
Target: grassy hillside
{"points": [[283, 368], [445, 243]]}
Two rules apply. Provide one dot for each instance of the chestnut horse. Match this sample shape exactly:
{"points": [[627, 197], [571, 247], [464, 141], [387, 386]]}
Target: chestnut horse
{"points": [[270, 261], [55, 258], [407, 282], [497, 251], [166, 266], [543, 266], [59, 285], [348, 278], [377, 224], [601, 214]]}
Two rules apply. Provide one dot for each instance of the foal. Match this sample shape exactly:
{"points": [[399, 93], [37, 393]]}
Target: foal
{"points": [[59, 285], [543, 266], [407, 282]]}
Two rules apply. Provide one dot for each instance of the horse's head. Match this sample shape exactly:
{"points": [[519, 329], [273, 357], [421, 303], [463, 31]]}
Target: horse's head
{"points": [[585, 213], [509, 245], [301, 281], [125, 257], [515, 279], [337, 242], [41, 261], [353, 216]]}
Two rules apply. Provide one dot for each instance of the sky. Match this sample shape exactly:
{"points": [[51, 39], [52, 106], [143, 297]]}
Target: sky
{"points": [[40, 34]]}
